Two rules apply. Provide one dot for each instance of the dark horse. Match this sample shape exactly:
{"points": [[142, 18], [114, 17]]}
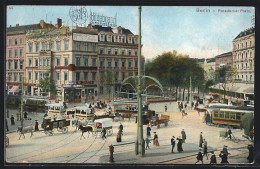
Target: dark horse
{"points": [[126, 115], [85, 129], [200, 110]]}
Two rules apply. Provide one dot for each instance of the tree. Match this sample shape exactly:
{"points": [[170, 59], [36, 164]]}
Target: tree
{"points": [[48, 84]]}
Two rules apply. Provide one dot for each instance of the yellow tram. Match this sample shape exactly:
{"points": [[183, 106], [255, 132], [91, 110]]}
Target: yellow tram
{"points": [[227, 116]]}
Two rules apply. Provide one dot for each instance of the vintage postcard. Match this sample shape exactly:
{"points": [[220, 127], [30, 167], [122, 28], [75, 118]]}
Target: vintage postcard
{"points": [[129, 85]]}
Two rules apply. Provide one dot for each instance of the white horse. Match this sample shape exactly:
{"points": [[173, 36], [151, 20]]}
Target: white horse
{"points": [[27, 129], [77, 123]]}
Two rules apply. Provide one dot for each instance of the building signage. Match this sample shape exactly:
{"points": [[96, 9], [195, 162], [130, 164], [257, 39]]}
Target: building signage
{"points": [[97, 19], [85, 37], [77, 86]]}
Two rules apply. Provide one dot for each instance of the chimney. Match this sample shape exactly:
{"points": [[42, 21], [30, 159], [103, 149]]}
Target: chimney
{"points": [[89, 26], [59, 22], [42, 23]]}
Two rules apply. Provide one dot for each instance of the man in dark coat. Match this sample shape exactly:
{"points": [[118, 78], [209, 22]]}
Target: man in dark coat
{"points": [[147, 140], [36, 126], [201, 140], [199, 157], [229, 133], [173, 143], [205, 148], [12, 120], [148, 131], [213, 159], [119, 136], [104, 132], [183, 134], [223, 157], [121, 127], [166, 108]]}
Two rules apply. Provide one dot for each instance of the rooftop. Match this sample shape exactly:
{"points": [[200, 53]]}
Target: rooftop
{"points": [[246, 32], [224, 55]]}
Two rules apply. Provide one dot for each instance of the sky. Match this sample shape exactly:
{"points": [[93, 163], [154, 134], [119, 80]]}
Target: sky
{"points": [[200, 32]]}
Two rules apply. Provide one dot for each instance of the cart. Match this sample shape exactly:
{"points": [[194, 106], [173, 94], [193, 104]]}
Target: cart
{"points": [[60, 124], [103, 123], [157, 122]]}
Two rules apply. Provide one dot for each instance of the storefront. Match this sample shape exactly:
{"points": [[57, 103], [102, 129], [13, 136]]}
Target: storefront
{"points": [[72, 93]]}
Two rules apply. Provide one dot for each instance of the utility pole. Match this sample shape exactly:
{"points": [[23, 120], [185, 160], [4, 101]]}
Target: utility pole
{"points": [[190, 95], [22, 102], [139, 145]]}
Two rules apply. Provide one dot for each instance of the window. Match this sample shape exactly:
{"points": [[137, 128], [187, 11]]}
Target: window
{"points": [[21, 77], [44, 62], [246, 55], [78, 61], [101, 51], [102, 37], [116, 63], [246, 44], [250, 54], [9, 76], [15, 41], [58, 61], [21, 40], [116, 76], [36, 47], [86, 76], [10, 41], [108, 51], [50, 45], [41, 62], [232, 115], [129, 40], [129, 52], [123, 75], [57, 45], [66, 44], [116, 50], [43, 46], [15, 52], [30, 62], [136, 63], [93, 62], [65, 75], [238, 116], [85, 44], [15, 77], [77, 45], [21, 64], [36, 75], [135, 53], [237, 46], [66, 62], [226, 115], [40, 75], [242, 45], [15, 64], [86, 62], [215, 114], [93, 45], [123, 63], [48, 62], [9, 65], [29, 75], [242, 55], [21, 52], [77, 76], [93, 76], [123, 52], [10, 52], [101, 63], [221, 114], [250, 43], [129, 64], [109, 63]]}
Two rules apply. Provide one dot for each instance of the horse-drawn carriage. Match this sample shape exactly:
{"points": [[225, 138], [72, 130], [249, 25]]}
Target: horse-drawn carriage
{"points": [[101, 124], [156, 121], [60, 124]]}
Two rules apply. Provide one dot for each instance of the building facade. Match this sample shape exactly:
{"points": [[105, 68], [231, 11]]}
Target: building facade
{"points": [[225, 59], [244, 55]]}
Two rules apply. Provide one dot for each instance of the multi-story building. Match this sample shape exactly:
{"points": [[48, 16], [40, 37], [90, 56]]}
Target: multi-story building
{"points": [[225, 59], [244, 55], [208, 64], [15, 52]]}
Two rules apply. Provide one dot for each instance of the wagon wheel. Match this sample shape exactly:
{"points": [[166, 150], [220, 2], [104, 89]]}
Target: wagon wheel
{"points": [[64, 129], [109, 132]]}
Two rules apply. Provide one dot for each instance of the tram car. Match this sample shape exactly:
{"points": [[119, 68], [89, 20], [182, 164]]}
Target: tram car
{"points": [[35, 104], [106, 123], [60, 124], [56, 109], [227, 116], [80, 112], [13, 101]]}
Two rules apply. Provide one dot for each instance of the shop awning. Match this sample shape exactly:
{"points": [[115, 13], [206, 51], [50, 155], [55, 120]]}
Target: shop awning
{"points": [[14, 89]]}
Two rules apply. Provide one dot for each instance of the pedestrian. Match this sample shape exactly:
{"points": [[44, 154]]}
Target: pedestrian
{"points": [[104, 132], [6, 125], [179, 144], [201, 140], [147, 140], [173, 143], [121, 127], [183, 134], [213, 159], [166, 108], [18, 116], [36, 126], [225, 151], [229, 132], [12, 120], [223, 157], [192, 104], [199, 157], [25, 115], [119, 136], [185, 105], [250, 157], [156, 141], [148, 131], [179, 106], [205, 148], [183, 113]]}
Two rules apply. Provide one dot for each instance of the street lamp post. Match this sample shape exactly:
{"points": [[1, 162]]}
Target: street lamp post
{"points": [[22, 102], [139, 146]]}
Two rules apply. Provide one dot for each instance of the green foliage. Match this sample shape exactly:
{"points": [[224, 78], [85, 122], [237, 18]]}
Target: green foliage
{"points": [[47, 83]]}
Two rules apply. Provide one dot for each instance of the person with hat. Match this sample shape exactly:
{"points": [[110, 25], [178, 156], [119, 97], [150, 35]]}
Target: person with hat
{"points": [[225, 151], [173, 143], [201, 140], [223, 157], [183, 134], [205, 148], [179, 144], [147, 140], [12, 120], [25, 115], [148, 131], [156, 142], [36, 126], [199, 157], [213, 159]]}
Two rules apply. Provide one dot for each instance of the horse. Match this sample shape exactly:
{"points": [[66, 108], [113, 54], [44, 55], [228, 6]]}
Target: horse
{"points": [[26, 129], [200, 110], [85, 129], [77, 123], [126, 115]]}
